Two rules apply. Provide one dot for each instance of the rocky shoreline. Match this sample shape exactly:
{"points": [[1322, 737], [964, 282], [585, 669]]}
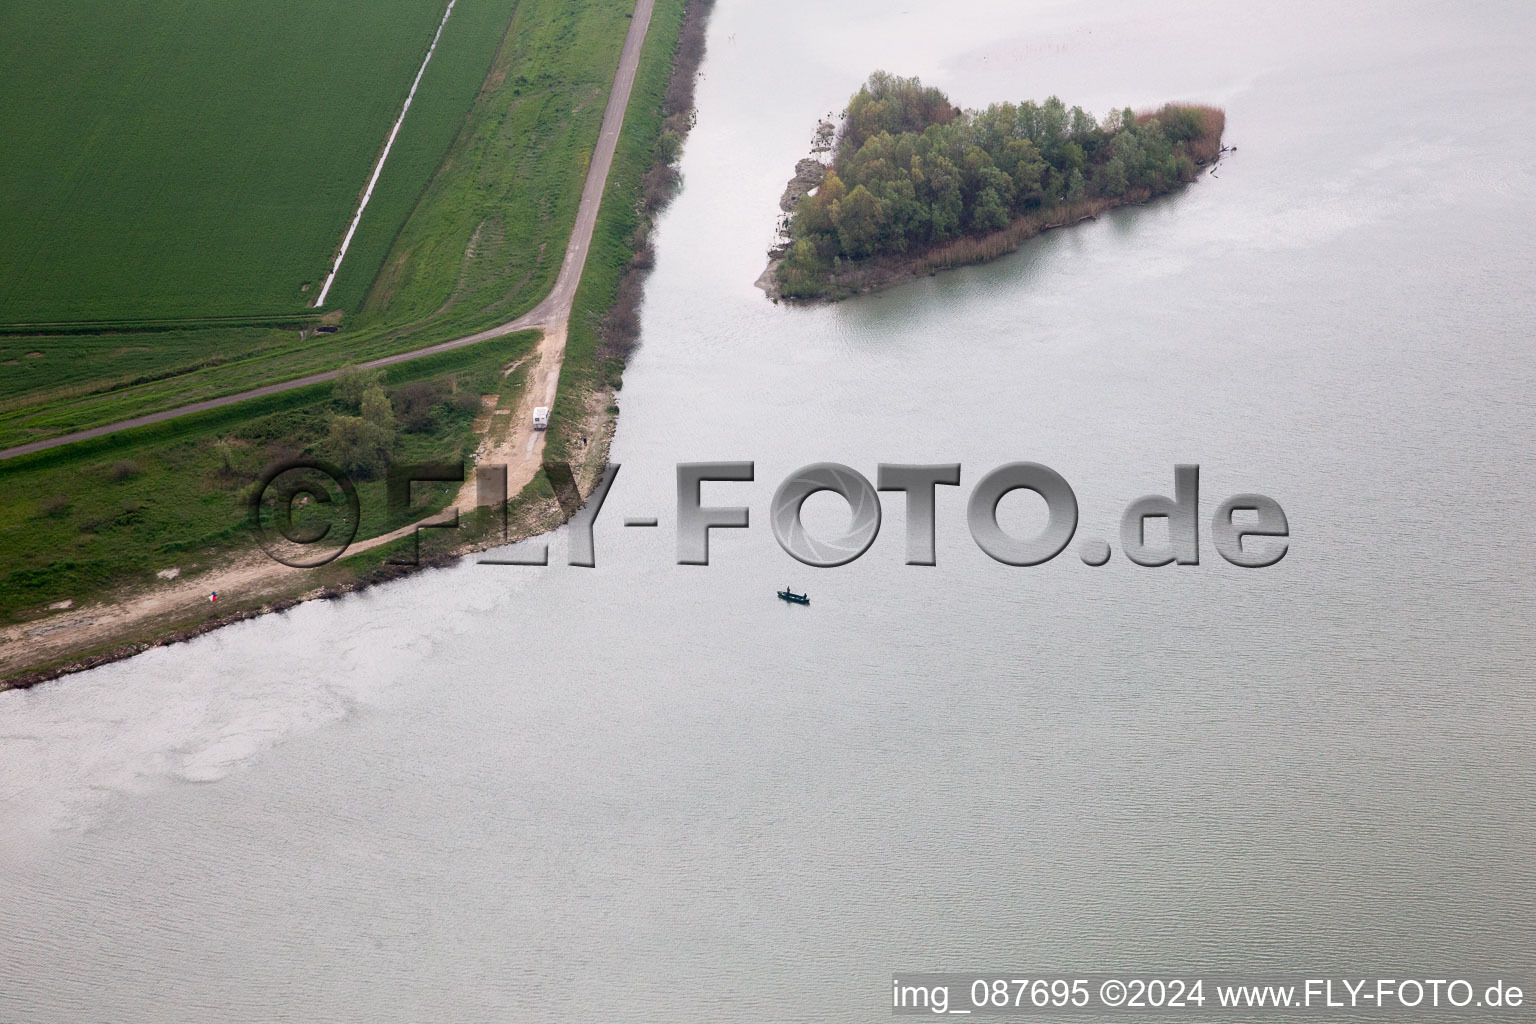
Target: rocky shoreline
{"points": [[809, 173]]}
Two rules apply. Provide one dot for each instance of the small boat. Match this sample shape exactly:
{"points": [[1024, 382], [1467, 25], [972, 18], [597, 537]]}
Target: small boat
{"points": [[793, 598]]}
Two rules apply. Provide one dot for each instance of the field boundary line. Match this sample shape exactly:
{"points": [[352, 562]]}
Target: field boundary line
{"points": [[378, 168]]}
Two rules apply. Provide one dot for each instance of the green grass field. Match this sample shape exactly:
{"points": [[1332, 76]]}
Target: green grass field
{"points": [[174, 160], [510, 181], [613, 237], [37, 371]]}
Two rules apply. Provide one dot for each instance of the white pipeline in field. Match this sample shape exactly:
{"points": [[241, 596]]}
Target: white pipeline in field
{"points": [[378, 168]]}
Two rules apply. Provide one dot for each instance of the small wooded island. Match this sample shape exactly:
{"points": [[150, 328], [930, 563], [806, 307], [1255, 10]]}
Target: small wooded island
{"points": [[917, 185]]}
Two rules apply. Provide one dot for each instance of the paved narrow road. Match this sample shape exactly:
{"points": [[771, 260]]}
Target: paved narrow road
{"points": [[553, 312]]}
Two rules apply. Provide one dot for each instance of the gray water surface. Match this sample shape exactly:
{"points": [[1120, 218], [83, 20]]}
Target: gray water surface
{"points": [[651, 792]]}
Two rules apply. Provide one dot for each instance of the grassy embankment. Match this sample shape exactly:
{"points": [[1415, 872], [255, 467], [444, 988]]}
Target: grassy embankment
{"points": [[604, 323]]}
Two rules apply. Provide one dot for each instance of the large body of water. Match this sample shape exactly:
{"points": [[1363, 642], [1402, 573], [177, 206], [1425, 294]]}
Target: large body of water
{"points": [[651, 792]]}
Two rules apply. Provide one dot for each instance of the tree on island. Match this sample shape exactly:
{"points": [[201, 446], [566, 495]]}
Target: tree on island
{"points": [[912, 172]]}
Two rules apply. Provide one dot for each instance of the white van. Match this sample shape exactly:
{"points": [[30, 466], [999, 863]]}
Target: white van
{"points": [[541, 418]]}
